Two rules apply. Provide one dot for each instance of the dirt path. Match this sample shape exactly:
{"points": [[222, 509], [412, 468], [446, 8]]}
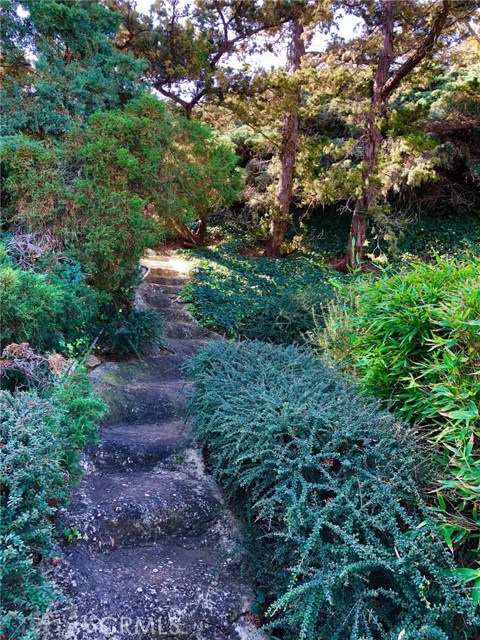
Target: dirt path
{"points": [[158, 558]]}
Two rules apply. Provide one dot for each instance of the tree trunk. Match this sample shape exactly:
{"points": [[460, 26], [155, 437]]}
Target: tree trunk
{"points": [[372, 144], [288, 150], [383, 88], [202, 229], [188, 237]]}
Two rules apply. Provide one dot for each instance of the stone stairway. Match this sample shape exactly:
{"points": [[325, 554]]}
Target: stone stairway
{"points": [[158, 557]]}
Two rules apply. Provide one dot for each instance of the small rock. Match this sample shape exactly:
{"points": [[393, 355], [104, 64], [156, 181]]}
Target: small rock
{"points": [[92, 361]]}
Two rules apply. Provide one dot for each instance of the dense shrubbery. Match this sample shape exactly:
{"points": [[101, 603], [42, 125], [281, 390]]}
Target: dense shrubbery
{"points": [[113, 187], [45, 309], [260, 298], [413, 338], [41, 436], [346, 548], [448, 234], [54, 309]]}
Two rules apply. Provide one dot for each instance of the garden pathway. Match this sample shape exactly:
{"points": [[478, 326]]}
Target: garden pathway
{"points": [[158, 556]]}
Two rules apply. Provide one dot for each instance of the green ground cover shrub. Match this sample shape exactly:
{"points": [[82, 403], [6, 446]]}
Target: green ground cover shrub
{"points": [[261, 298], [413, 339], [332, 486], [455, 234], [41, 435]]}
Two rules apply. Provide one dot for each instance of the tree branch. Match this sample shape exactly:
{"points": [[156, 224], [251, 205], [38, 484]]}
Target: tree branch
{"points": [[452, 125], [421, 52]]}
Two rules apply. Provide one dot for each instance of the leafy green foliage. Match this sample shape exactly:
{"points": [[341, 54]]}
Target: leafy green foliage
{"points": [[453, 234], [115, 186], [41, 436], [77, 413], [45, 310], [414, 340], [32, 480], [346, 548], [263, 298], [446, 235]]}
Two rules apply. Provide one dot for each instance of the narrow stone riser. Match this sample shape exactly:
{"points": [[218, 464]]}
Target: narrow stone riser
{"points": [[164, 369], [168, 274], [185, 331], [160, 298], [119, 456], [138, 520]]}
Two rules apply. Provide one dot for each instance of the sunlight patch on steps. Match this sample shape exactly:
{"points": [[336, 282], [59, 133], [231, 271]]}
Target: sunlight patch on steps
{"points": [[173, 262]]}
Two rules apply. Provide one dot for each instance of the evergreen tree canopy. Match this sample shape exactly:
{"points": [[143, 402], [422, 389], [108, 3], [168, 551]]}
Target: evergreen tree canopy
{"points": [[60, 66]]}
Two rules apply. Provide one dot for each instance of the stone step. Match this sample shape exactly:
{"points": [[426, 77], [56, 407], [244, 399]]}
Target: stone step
{"points": [[186, 348], [184, 330], [144, 402], [166, 280], [155, 293], [159, 591], [152, 293], [168, 306], [122, 509], [178, 312], [163, 272], [140, 446], [164, 368]]}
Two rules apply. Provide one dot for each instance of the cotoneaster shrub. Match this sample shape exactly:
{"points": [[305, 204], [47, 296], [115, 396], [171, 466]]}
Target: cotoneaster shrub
{"points": [[41, 435], [332, 484], [32, 481]]}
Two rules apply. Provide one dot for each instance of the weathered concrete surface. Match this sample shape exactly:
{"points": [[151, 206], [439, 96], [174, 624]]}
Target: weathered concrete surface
{"points": [[158, 553]]}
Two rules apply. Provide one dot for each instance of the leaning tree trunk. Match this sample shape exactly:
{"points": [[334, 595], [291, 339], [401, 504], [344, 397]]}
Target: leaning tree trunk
{"points": [[189, 238], [372, 144], [288, 150]]}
